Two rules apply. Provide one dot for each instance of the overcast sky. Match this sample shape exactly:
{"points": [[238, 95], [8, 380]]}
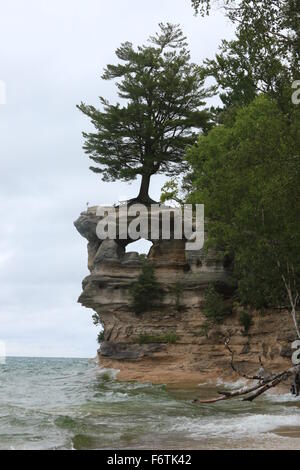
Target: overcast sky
{"points": [[51, 57]]}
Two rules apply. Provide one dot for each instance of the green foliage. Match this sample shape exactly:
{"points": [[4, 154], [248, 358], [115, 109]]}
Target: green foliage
{"points": [[263, 58], [176, 291], [201, 7], [215, 309], [170, 192], [145, 292], [100, 337], [247, 170], [164, 99], [170, 338], [96, 319], [245, 320], [97, 322], [247, 173]]}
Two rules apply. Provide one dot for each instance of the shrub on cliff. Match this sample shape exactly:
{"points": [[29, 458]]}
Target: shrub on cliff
{"points": [[100, 337], [215, 308], [245, 321], [176, 291], [145, 292]]}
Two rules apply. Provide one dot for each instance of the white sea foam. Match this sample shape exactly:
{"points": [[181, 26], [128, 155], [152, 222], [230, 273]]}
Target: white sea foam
{"points": [[116, 396], [70, 395], [232, 385], [241, 427], [282, 398], [111, 373], [240, 383]]}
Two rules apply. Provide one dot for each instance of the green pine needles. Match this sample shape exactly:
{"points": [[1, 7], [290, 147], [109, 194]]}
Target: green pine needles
{"points": [[145, 292], [162, 103]]}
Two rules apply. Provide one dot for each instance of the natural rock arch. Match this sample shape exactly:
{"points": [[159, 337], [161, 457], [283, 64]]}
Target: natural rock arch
{"points": [[141, 246]]}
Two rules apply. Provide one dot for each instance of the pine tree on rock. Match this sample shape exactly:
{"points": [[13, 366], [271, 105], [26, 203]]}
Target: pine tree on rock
{"points": [[163, 109]]}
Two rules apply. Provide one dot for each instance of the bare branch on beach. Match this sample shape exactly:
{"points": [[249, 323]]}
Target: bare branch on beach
{"points": [[266, 381]]}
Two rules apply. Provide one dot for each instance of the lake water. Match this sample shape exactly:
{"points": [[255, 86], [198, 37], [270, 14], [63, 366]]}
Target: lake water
{"points": [[73, 404]]}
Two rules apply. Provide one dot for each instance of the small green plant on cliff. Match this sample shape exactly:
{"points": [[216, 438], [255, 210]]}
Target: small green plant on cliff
{"points": [[170, 338], [177, 291], [97, 322], [245, 321], [215, 308], [204, 330], [100, 337], [145, 292]]}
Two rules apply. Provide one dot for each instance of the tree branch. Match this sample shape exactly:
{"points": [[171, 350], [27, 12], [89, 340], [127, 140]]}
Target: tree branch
{"points": [[266, 382]]}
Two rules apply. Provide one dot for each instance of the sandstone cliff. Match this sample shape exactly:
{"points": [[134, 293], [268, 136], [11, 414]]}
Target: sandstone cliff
{"points": [[195, 356]]}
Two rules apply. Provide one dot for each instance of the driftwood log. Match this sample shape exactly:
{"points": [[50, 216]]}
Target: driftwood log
{"points": [[265, 381]]}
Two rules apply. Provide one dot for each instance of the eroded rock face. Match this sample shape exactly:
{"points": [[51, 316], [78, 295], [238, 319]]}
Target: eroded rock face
{"points": [[196, 355]]}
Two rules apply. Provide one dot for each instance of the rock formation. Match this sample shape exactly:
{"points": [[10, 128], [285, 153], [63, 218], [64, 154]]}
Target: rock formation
{"points": [[195, 355]]}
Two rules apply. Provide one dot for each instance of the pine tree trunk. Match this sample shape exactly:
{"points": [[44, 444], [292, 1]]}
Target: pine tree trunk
{"points": [[143, 196]]}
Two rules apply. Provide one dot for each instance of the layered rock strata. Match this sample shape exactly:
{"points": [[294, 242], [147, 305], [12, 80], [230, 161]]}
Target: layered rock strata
{"points": [[195, 355]]}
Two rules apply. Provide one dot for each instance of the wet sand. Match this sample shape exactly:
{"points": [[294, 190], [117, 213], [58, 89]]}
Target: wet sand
{"points": [[288, 431]]}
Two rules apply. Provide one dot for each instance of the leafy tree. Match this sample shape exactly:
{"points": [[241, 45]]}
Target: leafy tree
{"points": [[265, 55], [145, 291], [252, 162], [163, 107], [203, 7], [215, 309], [171, 192], [248, 176]]}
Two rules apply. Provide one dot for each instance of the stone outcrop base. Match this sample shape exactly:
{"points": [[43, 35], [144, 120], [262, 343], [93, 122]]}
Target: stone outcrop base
{"points": [[196, 358], [196, 355]]}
